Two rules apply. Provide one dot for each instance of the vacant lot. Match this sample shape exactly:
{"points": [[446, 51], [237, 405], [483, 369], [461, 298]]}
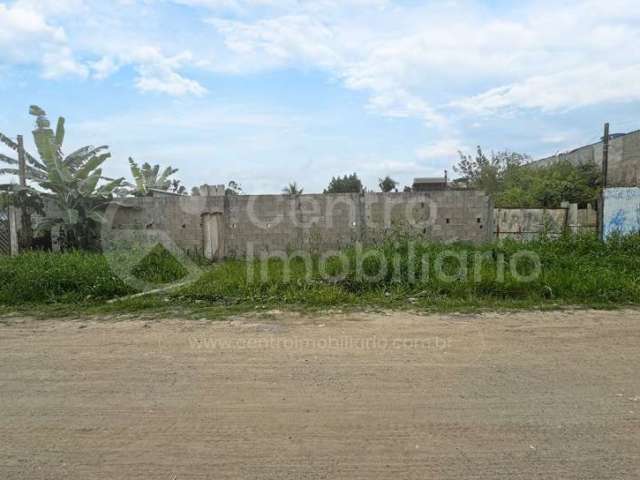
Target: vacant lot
{"points": [[366, 396]]}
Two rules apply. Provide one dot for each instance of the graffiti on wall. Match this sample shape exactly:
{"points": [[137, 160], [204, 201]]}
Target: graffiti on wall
{"points": [[621, 210]]}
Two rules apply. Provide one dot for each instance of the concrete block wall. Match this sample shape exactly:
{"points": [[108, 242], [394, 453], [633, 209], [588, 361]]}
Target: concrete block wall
{"points": [[624, 159], [180, 217], [268, 224], [448, 215], [529, 223], [627, 172], [319, 223]]}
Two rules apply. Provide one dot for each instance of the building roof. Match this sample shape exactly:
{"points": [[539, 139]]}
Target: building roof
{"points": [[428, 180]]}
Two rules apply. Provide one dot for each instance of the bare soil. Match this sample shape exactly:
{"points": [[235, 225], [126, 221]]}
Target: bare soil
{"points": [[361, 396]]}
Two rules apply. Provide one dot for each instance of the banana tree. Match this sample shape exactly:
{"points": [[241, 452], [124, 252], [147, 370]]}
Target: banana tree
{"points": [[38, 170], [147, 177], [74, 181]]}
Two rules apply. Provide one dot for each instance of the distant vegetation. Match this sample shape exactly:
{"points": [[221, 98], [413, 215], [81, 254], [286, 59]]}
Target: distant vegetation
{"points": [[346, 184], [387, 184], [233, 188], [147, 178], [508, 178], [293, 189]]}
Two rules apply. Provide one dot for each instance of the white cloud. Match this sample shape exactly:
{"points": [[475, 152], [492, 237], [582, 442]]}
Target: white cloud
{"points": [[31, 32], [27, 36], [162, 79], [412, 59], [567, 90], [418, 61], [445, 149], [22, 27], [104, 67], [159, 73], [276, 42], [53, 7], [59, 62]]}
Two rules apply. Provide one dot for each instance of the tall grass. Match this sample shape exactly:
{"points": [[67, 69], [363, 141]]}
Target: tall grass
{"points": [[573, 270], [41, 277]]}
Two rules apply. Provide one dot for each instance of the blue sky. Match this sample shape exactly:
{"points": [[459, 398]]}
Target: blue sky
{"points": [[270, 91]]}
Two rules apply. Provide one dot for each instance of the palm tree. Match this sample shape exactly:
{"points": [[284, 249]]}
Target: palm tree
{"points": [[147, 177], [293, 189]]}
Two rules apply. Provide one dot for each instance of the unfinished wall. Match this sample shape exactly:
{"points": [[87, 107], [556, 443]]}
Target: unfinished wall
{"points": [[180, 217], [621, 210], [449, 215], [257, 224], [529, 223], [624, 159]]}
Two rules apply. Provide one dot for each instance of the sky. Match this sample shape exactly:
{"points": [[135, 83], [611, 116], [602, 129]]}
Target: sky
{"points": [[265, 92]]}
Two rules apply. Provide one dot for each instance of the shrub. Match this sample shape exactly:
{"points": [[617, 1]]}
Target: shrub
{"points": [[159, 267], [42, 277]]}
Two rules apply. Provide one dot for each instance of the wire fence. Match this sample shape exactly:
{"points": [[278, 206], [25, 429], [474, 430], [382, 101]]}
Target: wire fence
{"points": [[5, 234]]}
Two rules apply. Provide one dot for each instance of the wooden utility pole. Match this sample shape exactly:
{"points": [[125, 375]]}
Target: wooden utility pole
{"points": [[22, 163], [605, 171], [605, 155], [26, 228]]}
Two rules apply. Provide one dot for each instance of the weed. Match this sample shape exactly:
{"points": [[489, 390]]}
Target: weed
{"points": [[568, 271]]}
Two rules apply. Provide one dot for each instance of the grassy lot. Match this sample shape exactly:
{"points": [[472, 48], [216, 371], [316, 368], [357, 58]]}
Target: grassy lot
{"points": [[572, 271]]}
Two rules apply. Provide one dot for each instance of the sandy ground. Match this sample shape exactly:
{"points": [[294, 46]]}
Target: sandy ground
{"points": [[359, 396]]}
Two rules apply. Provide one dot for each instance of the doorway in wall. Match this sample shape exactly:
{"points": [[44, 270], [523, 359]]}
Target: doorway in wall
{"points": [[212, 227]]}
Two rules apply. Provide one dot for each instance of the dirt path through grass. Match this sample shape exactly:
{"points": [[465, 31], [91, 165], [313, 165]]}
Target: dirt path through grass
{"points": [[362, 396]]}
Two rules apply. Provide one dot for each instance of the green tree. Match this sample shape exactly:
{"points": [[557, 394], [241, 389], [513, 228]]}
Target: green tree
{"points": [[38, 170], [387, 184], [293, 189], [147, 178], [486, 172], [233, 188], [72, 182], [346, 184], [514, 183], [547, 187]]}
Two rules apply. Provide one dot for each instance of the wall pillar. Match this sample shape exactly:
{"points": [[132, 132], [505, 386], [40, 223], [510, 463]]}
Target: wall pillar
{"points": [[13, 231]]}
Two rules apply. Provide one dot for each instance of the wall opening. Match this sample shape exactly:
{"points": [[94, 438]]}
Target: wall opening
{"points": [[212, 228]]}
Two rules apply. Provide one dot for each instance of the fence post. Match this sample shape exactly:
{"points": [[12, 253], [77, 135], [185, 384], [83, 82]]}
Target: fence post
{"points": [[605, 172], [600, 204], [26, 228], [13, 231], [573, 218]]}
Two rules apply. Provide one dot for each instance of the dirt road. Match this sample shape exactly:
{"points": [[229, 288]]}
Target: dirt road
{"points": [[358, 396]]}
